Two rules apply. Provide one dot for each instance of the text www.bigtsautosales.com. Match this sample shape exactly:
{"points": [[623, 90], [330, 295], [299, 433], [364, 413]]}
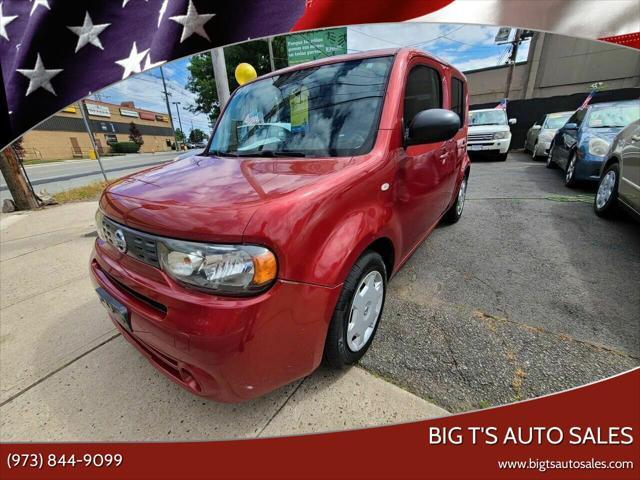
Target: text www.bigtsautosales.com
{"points": [[39, 461], [542, 465]]}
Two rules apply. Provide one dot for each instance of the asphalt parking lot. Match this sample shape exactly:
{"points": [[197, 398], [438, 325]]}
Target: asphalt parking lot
{"points": [[529, 293]]}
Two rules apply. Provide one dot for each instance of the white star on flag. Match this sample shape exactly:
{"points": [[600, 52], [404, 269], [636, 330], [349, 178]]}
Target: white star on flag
{"points": [[4, 21], [124, 2], [88, 33], [148, 64], [39, 3], [192, 22], [131, 64], [39, 77]]}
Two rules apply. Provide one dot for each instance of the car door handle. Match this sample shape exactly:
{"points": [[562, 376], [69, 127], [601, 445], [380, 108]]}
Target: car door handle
{"points": [[444, 155]]}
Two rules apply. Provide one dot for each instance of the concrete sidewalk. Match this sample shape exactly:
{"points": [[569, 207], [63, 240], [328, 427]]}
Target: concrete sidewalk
{"points": [[66, 374]]}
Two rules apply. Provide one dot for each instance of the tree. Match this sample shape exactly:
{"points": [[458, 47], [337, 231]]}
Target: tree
{"points": [[134, 134], [196, 136], [201, 81], [180, 135]]}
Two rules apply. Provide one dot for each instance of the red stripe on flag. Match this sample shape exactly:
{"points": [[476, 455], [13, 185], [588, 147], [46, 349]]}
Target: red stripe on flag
{"points": [[628, 40], [329, 13]]}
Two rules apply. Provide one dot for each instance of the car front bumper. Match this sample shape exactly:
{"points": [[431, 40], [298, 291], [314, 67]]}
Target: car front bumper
{"points": [[226, 349], [588, 167], [489, 146]]}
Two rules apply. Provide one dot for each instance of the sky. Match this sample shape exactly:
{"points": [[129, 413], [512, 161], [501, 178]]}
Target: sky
{"points": [[467, 47]]}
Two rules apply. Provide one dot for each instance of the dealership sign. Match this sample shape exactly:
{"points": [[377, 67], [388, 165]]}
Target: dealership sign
{"points": [[98, 110], [147, 116], [128, 113], [304, 47]]}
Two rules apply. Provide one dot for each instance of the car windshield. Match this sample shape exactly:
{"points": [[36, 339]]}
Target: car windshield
{"points": [[487, 117], [614, 115], [556, 121], [330, 110]]}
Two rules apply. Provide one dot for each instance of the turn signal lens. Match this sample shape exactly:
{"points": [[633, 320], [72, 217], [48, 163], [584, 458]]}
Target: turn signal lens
{"points": [[265, 268]]}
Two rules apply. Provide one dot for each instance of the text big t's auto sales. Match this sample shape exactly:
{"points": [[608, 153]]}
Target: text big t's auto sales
{"points": [[538, 435]]}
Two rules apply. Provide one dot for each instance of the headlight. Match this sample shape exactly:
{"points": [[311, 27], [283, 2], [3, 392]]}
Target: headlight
{"points": [[598, 147], [99, 219], [226, 269], [499, 135]]}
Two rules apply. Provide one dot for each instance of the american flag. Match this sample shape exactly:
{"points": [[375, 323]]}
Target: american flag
{"points": [[587, 100], [502, 105], [54, 52]]}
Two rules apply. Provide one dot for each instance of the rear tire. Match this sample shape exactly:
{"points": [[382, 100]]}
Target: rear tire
{"points": [[606, 198], [362, 286], [455, 211]]}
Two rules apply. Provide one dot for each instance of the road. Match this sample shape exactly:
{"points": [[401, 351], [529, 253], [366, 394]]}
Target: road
{"points": [[58, 176], [529, 293]]}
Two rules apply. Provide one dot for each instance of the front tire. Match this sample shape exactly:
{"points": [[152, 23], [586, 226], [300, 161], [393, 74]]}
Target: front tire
{"points": [[502, 157], [357, 314], [570, 174], [607, 197]]}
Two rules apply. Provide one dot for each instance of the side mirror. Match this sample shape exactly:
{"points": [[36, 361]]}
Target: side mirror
{"points": [[513, 121], [434, 125], [570, 126], [536, 126]]}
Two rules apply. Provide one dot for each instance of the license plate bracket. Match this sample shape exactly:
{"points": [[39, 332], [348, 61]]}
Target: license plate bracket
{"points": [[116, 309]]}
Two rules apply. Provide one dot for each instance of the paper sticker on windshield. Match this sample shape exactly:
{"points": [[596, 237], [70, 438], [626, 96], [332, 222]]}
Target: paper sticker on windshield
{"points": [[252, 119], [299, 104]]}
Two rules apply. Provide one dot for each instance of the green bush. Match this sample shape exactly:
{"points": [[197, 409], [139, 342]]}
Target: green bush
{"points": [[125, 147]]}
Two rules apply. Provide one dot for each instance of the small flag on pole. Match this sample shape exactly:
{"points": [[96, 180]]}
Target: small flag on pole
{"points": [[502, 105], [587, 100]]}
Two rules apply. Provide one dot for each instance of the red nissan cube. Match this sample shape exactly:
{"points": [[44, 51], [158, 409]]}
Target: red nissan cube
{"points": [[237, 270]]}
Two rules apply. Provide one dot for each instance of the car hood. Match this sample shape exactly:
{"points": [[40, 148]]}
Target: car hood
{"points": [[488, 128], [607, 133], [209, 198]]}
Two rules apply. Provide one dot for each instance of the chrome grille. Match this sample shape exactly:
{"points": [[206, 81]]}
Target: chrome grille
{"points": [[140, 245], [480, 137]]}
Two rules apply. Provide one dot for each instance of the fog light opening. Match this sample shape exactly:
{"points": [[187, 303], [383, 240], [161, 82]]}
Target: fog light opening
{"points": [[191, 382]]}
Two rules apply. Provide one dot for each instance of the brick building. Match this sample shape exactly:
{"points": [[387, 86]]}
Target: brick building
{"points": [[64, 136]]}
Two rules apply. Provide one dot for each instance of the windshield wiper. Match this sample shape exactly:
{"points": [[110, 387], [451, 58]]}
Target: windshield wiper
{"points": [[219, 153], [273, 153]]}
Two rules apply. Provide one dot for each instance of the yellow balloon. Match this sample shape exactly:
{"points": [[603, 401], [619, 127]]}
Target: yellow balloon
{"points": [[245, 73]]}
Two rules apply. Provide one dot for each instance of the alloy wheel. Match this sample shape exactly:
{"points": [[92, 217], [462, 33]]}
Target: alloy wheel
{"points": [[605, 190], [571, 170]]}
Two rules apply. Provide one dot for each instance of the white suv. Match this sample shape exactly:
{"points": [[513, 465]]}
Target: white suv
{"points": [[489, 132]]}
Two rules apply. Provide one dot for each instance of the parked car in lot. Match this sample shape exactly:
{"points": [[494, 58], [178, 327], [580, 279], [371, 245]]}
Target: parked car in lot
{"points": [[581, 145], [236, 270], [541, 133], [620, 174], [489, 132]]}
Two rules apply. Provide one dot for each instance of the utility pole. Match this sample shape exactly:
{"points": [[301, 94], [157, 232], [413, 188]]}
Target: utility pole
{"points": [[271, 60], [166, 98], [83, 108], [512, 62], [220, 75], [179, 120], [22, 194]]}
